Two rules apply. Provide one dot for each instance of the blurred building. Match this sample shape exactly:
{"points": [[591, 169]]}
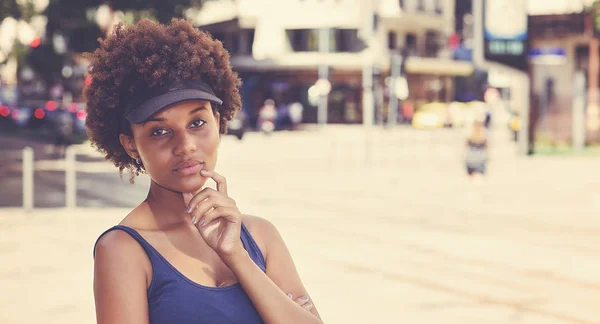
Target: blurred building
{"points": [[279, 46], [563, 47]]}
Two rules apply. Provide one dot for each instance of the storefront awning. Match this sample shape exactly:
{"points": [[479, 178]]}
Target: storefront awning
{"points": [[438, 66]]}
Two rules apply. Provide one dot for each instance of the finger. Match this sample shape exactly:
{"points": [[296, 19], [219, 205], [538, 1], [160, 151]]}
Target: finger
{"points": [[219, 179], [227, 213], [208, 204], [302, 300], [202, 208], [198, 198], [308, 306]]}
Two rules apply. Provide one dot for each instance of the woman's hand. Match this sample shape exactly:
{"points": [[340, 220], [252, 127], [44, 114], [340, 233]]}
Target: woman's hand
{"points": [[217, 217], [303, 301]]}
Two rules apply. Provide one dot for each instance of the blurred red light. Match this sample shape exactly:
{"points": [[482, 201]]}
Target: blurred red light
{"points": [[35, 42], [15, 114], [81, 114], [88, 80], [39, 113], [51, 105], [4, 111]]}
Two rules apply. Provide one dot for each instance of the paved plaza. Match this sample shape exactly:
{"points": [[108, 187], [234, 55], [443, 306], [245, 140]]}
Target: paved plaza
{"points": [[383, 225]]}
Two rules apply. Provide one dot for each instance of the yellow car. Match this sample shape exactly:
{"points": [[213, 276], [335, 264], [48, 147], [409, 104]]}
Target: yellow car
{"points": [[431, 115]]}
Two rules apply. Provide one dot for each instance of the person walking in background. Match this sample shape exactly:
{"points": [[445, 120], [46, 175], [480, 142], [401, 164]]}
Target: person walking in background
{"points": [[159, 101], [477, 151], [63, 131], [296, 111], [267, 116]]}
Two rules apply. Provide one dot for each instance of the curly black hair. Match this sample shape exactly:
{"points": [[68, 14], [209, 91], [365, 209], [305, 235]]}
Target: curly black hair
{"points": [[134, 58]]}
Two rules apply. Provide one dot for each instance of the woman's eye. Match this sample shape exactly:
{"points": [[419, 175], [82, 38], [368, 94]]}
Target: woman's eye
{"points": [[159, 132], [198, 123]]}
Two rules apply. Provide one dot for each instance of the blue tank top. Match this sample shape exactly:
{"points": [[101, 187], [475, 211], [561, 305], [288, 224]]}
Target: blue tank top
{"points": [[173, 298]]}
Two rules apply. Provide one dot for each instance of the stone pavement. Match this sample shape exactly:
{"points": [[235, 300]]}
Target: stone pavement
{"points": [[404, 240]]}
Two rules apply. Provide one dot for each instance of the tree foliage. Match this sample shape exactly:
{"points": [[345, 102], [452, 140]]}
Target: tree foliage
{"points": [[75, 20]]}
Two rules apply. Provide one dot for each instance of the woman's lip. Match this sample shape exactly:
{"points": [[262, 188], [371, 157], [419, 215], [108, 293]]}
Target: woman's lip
{"points": [[189, 170], [186, 164]]}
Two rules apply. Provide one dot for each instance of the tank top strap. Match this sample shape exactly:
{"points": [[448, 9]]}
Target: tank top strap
{"points": [[252, 247], [150, 251], [247, 240]]}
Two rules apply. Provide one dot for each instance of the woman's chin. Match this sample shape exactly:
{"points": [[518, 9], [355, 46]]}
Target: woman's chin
{"points": [[191, 185]]}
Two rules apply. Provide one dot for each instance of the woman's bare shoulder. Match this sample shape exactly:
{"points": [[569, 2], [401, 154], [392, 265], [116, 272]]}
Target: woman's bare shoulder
{"points": [[115, 243], [263, 231]]}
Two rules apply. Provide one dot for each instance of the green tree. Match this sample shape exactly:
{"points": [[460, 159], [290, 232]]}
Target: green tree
{"points": [[75, 21]]}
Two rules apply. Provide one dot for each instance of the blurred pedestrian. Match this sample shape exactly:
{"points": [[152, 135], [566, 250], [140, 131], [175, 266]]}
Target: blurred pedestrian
{"points": [[160, 99], [296, 111], [477, 151], [63, 131], [267, 116]]}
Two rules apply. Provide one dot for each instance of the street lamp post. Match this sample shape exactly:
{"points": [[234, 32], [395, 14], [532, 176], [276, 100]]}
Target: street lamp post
{"points": [[368, 36], [323, 75], [395, 67]]}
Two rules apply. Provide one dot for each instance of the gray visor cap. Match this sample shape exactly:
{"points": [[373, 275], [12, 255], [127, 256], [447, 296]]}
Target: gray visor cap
{"points": [[143, 107]]}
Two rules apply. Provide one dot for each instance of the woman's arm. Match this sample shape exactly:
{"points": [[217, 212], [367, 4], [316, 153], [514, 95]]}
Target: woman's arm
{"points": [[120, 280], [219, 221], [268, 292]]}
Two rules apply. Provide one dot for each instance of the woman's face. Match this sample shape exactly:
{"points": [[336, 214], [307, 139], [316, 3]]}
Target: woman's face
{"points": [[177, 142]]}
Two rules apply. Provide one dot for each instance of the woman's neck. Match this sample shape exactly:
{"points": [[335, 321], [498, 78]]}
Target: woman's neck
{"points": [[166, 206]]}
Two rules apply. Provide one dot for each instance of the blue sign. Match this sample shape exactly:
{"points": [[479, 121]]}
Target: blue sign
{"points": [[505, 32]]}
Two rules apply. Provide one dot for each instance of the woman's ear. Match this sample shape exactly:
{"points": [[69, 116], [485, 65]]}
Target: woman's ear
{"points": [[129, 145]]}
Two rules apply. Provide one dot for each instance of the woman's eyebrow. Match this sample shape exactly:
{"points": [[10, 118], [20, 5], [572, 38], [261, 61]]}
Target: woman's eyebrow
{"points": [[203, 107]]}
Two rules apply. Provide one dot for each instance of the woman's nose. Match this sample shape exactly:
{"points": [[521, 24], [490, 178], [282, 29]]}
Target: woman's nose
{"points": [[185, 144]]}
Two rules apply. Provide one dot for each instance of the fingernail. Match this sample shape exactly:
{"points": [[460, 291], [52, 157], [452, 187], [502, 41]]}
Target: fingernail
{"points": [[203, 171], [304, 297], [289, 296], [187, 210], [202, 222], [193, 219]]}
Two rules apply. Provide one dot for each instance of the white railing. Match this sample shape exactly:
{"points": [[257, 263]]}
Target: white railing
{"points": [[28, 169], [28, 178]]}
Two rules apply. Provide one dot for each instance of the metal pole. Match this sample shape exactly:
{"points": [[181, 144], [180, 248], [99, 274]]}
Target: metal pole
{"points": [[70, 179], [524, 139], [28, 178], [368, 97], [578, 120], [393, 113], [323, 75]]}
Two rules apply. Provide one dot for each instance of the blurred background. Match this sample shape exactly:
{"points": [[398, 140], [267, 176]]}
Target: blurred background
{"points": [[425, 160]]}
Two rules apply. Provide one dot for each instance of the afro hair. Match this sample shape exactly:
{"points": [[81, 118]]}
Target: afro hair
{"points": [[138, 57]]}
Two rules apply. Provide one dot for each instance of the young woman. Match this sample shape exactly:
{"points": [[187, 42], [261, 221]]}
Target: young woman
{"points": [[160, 98]]}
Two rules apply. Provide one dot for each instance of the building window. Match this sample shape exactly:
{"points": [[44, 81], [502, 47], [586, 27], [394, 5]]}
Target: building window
{"points": [[432, 45], [304, 40], [249, 41], [346, 40], [232, 42], [392, 40], [340, 40], [439, 6], [410, 43], [401, 3]]}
